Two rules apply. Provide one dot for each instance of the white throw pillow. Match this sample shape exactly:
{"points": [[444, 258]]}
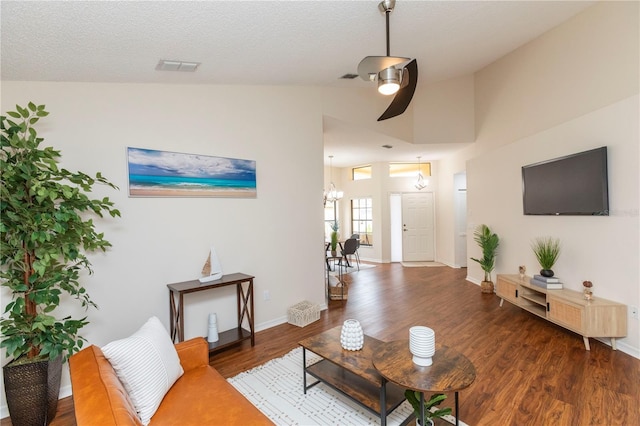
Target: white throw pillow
{"points": [[147, 364]]}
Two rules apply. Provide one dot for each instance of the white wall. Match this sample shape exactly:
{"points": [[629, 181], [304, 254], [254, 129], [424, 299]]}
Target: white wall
{"points": [[602, 249], [444, 112], [276, 236], [572, 89]]}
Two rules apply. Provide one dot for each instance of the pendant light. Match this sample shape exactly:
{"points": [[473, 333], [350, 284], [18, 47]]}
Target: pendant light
{"points": [[332, 194], [421, 183]]}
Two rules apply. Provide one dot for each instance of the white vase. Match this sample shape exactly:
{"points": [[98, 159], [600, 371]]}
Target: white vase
{"points": [[429, 422], [352, 336], [422, 344], [212, 336]]}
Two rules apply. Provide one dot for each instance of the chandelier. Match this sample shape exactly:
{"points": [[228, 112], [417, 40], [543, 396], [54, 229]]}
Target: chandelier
{"points": [[422, 182], [332, 194]]}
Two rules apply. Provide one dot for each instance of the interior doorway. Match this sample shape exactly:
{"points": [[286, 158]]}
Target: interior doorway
{"points": [[395, 210]]}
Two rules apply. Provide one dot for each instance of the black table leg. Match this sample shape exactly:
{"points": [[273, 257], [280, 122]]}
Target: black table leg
{"points": [[304, 370], [383, 402]]}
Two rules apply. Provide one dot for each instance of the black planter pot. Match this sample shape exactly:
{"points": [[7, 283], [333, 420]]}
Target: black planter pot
{"points": [[32, 391], [546, 273]]}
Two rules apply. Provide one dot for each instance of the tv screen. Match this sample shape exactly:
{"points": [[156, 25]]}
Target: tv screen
{"points": [[573, 185]]}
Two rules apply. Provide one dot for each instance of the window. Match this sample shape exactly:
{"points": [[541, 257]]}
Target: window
{"points": [[362, 220], [409, 169], [330, 216], [359, 173]]}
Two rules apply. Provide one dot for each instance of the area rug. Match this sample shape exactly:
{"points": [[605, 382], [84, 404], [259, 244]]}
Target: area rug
{"points": [[352, 268], [275, 388]]}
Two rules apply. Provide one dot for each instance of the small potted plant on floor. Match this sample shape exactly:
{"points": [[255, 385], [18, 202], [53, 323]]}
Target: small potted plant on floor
{"points": [[436, 399], [488, 242], [45, 230], [547, 250]]}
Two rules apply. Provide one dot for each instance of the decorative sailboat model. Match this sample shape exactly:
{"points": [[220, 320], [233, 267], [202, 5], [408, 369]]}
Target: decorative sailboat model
{"points": [[211, 270]]}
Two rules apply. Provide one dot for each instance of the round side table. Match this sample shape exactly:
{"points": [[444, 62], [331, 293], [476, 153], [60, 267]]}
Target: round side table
{"points": [[450, 372]]}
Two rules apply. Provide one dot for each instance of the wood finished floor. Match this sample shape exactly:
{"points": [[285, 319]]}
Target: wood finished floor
{"points": [[529, 372]]}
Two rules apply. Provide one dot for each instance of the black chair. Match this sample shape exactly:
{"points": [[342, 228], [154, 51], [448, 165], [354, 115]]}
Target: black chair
{"points": [[357, 237], [350, 248]]}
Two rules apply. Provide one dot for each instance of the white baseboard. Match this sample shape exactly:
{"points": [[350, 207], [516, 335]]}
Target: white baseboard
{"points": [[472, 280], [268, 324], [621, 346]]}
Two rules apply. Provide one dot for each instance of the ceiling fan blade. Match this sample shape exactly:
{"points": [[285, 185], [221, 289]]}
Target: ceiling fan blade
{"points": [[372, 65], [403, 98]]}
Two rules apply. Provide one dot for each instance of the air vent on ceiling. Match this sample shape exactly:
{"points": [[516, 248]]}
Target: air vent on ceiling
{"points": [[349, 76], [164, 65]]}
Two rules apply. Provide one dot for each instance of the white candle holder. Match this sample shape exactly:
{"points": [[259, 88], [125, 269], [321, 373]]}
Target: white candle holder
{"points": [[422, 344]]}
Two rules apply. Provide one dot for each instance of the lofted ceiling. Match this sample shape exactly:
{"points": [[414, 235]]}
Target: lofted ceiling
{"points": [[310, 43]]}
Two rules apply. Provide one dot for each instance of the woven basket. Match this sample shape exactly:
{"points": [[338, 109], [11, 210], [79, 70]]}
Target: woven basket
{"points": [[303, 313], [339, 292]]}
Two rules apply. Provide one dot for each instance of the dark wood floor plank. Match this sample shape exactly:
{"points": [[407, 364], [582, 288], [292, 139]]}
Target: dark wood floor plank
{"points": [[528, 371]]}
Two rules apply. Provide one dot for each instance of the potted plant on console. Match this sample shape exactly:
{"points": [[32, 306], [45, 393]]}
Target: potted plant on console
{"points": [[436, 399], [547, 250], [45, 231], [488, 242]]}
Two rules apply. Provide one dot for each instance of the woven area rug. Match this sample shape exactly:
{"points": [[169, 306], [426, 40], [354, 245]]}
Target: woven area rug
{"points": [[352, 268], [276, 389]]}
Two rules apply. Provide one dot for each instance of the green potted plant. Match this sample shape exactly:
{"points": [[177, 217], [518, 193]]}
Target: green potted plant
{"points": [[334, 237], [436, 399], [46, 229], [488, 242], [547, 250]]}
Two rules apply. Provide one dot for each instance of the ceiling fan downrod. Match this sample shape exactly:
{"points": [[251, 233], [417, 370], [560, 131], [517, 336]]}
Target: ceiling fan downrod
{"points": [[386, 7]]}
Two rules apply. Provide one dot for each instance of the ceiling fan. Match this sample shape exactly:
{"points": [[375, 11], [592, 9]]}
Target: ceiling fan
{"points": [[394, 74]]}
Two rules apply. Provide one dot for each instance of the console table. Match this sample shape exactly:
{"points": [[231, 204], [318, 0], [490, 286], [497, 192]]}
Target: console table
{"points": [[567, 308], [244, 296]]}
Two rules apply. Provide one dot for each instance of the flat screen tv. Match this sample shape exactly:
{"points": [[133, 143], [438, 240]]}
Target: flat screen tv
{"points": [[573, 185]]}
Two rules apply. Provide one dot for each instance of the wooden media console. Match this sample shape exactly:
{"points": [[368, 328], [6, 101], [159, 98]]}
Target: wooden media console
{"points": [[567, 308]]}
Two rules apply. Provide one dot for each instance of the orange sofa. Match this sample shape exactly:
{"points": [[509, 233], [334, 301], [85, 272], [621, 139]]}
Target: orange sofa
{"points": [[201, 396]]}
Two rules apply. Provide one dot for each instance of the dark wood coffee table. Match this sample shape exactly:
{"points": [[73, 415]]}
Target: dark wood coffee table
{"points": [[351, 372], [450, 372]]}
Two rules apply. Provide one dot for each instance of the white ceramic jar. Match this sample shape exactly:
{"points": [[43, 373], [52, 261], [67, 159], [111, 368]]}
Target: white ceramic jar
{"points": [[352, 336]]}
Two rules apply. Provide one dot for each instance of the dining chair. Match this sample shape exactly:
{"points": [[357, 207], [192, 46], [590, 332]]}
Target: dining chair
{"points": [[350, 248], [357, 237]]}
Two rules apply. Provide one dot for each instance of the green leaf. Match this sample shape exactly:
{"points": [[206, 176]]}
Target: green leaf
{"points": [[22, 111], [47, 219]]}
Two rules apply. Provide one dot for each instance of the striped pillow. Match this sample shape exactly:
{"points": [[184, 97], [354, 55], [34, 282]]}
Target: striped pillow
{"points": [[147, 364]]}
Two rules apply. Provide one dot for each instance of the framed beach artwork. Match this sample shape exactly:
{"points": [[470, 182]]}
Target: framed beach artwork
{"points": [[172, 174]]}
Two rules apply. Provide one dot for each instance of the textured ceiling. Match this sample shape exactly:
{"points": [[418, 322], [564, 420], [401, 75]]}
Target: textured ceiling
{"points": [[262, 42]]}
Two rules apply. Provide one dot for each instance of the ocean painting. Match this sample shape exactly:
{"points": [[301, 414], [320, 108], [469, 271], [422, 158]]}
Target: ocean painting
{"points": [[172, 174]]}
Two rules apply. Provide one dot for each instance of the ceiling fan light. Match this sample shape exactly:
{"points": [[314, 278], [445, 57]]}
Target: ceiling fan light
{"points": [[389, 81]]}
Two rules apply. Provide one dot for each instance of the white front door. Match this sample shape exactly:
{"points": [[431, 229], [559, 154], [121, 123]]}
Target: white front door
{"points": [[417, 227]]}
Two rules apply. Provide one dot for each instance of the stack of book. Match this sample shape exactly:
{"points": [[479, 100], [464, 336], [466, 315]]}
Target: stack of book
{"points": [[550, 283]]}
